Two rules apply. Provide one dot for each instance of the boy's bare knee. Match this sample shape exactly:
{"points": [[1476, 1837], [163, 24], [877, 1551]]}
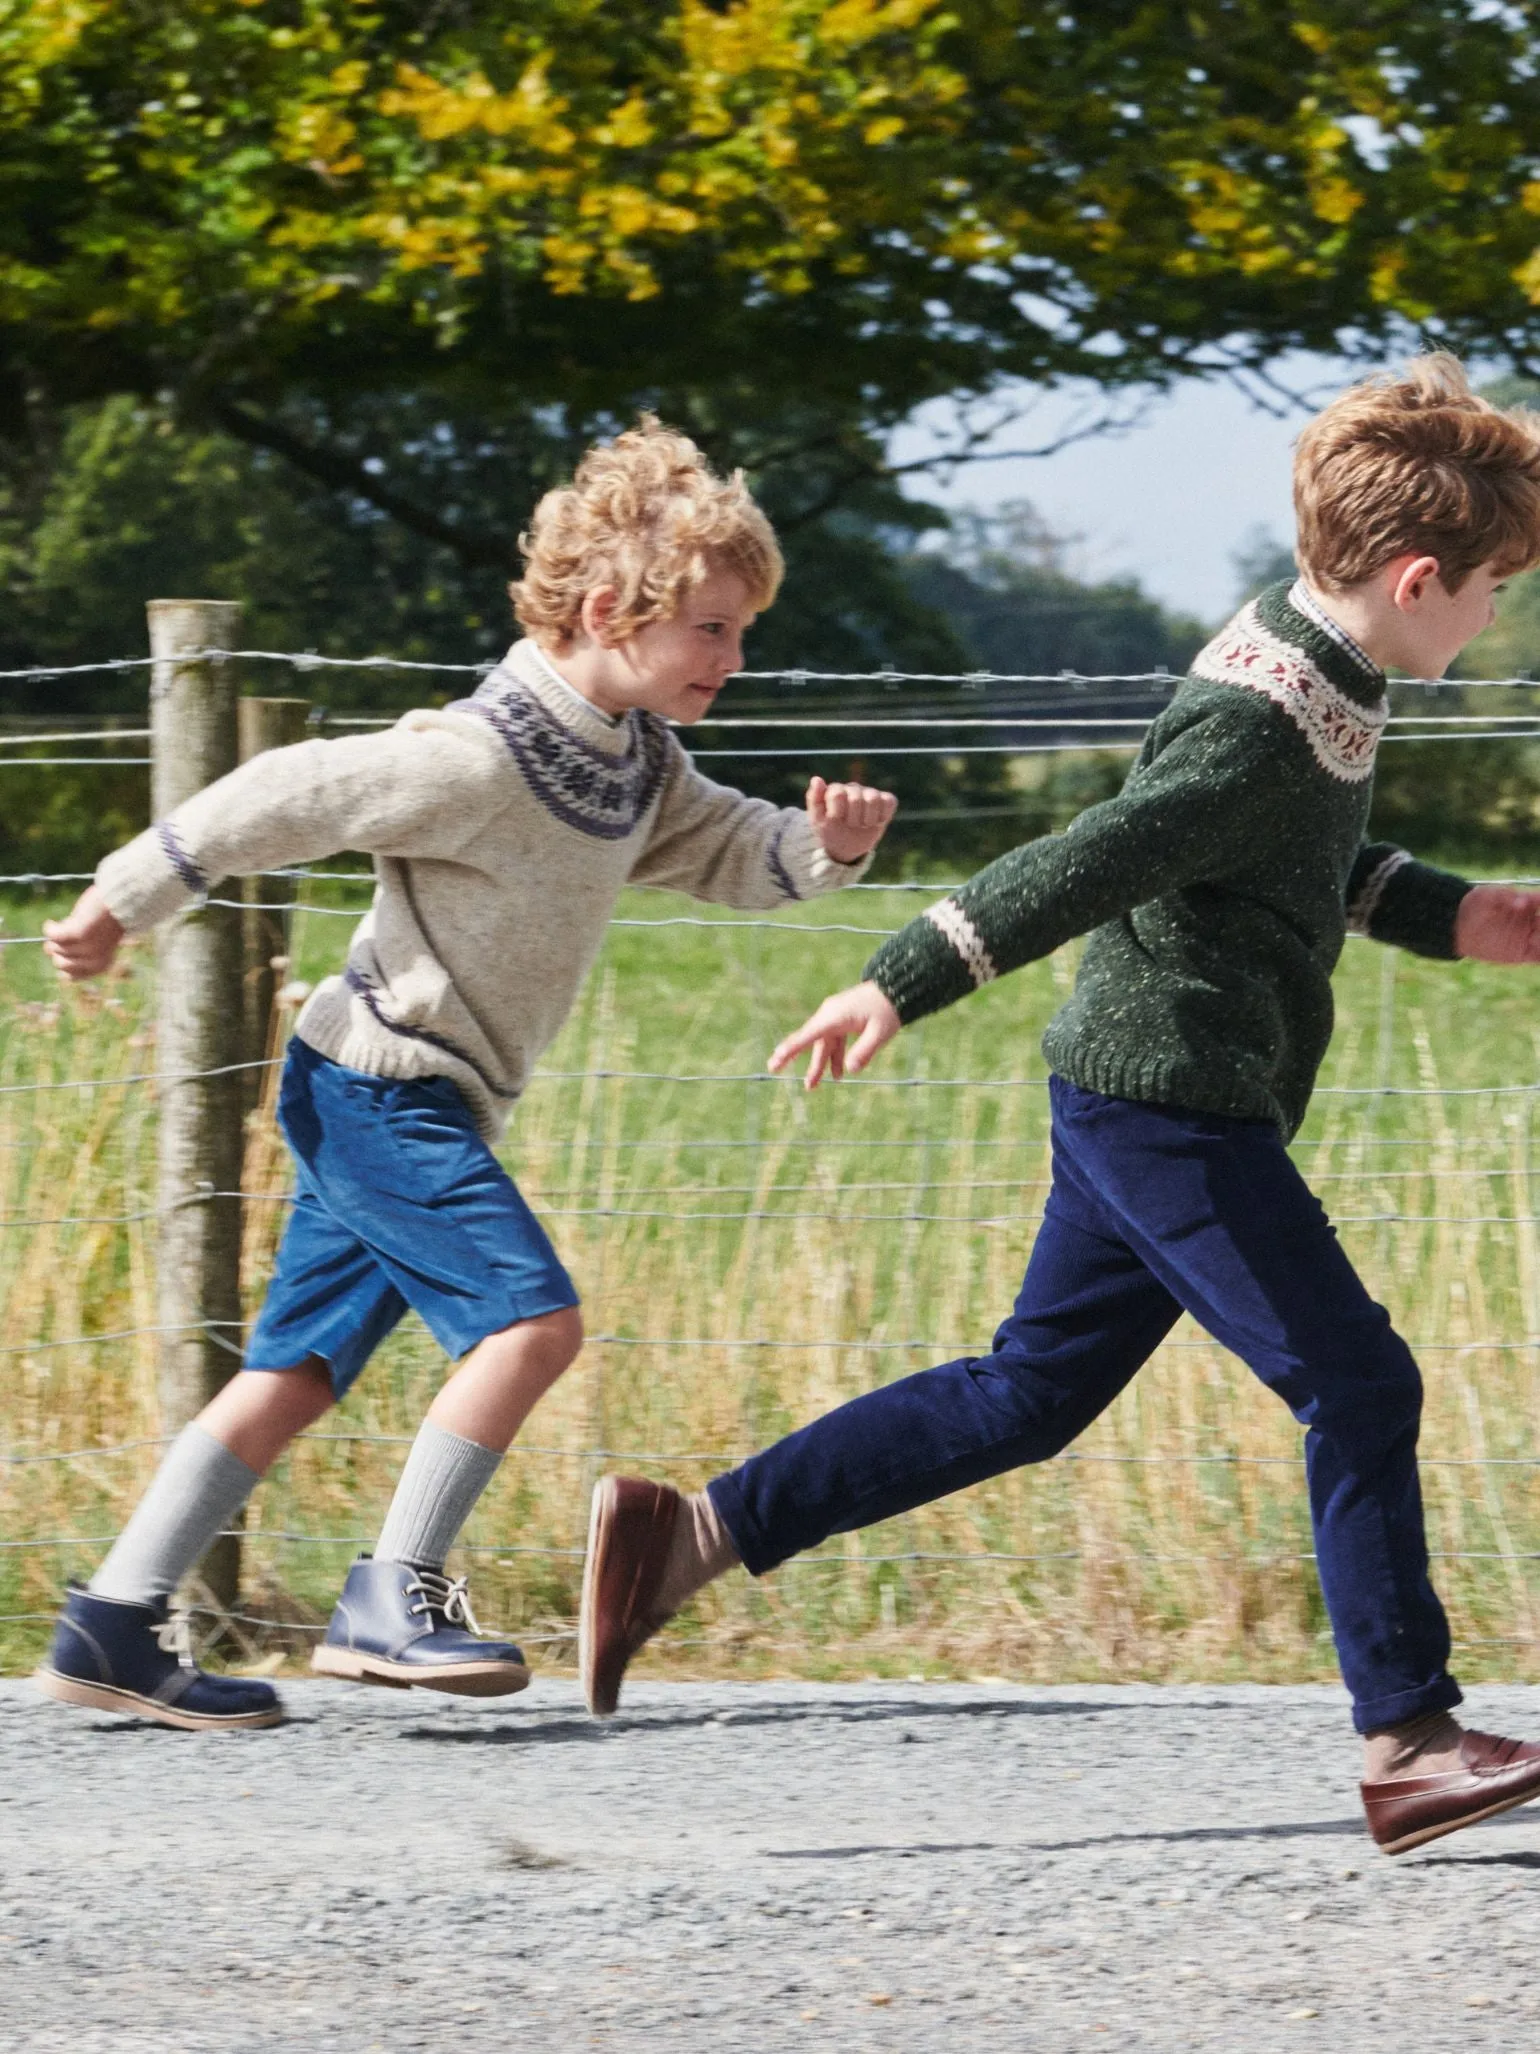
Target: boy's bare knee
{"points": [[310, 1375], [315, 1378], [561, 1334], [297, 1395], [259, 1411]]}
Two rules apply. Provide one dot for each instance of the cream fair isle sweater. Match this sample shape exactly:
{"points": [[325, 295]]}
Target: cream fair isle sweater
{"points": [[503, 829]]}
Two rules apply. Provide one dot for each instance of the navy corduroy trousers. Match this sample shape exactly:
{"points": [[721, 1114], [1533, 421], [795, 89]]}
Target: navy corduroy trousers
{"points": [[1155, 1210]]}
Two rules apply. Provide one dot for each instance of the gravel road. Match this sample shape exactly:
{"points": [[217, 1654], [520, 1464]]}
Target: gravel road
{"points": [[883, 1867]]}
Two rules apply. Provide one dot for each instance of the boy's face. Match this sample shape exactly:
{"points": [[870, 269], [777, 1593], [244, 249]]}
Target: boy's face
{"points": [[1433, 625], [676, 667]]}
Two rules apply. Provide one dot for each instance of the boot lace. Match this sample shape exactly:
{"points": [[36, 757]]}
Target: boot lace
{"points": [[447, 1595], [173, 1636]]}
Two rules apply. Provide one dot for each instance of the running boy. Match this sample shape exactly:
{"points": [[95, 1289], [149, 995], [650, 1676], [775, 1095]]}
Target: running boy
{"points": [[1216, 890], [503, 829]]}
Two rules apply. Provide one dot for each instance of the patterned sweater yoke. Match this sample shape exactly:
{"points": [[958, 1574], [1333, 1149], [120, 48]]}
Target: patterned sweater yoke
{"points": [[503, 829], [1216, 889]]}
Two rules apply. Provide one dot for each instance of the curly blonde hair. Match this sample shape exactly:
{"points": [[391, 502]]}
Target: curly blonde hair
{"points": [[646, 514], [1417, 464]]}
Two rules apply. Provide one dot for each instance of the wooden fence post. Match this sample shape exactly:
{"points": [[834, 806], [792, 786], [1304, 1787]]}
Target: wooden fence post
{"points": [[264, 724], [199, 1030]]}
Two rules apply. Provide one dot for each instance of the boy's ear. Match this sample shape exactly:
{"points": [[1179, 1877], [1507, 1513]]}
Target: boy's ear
{"points": [[1409, 580], [598, 614]]}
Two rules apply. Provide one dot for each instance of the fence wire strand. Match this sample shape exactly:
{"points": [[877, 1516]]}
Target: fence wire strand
{"points": [[1026, 732], [307, 660]]}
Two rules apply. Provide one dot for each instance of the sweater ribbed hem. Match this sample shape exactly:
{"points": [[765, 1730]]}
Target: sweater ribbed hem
{"points": [[337, 1025], [1168, 1081]]}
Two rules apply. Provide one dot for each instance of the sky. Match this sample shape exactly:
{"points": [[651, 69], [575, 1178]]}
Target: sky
{"points": [[1169, 500]]}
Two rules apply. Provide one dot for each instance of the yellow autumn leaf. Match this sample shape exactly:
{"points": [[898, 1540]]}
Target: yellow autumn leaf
{"points": [[1527, 278], [1335, 200], [629, 127], [54, 27]]}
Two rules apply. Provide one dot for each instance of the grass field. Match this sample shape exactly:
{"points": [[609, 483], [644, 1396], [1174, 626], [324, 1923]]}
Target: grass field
{"points": [[749, 1256]]}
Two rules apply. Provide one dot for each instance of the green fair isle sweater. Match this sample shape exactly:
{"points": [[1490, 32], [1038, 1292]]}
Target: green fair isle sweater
{"points": [[1216, 888]]}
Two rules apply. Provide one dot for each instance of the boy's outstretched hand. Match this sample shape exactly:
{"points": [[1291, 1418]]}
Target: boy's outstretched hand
{"points": [[84, 943], [1498, 923], [850, 820], [864, 1011]]}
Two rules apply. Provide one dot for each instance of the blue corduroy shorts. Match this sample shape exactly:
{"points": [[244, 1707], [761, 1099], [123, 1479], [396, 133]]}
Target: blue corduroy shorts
{"points": [[399, 1203]]}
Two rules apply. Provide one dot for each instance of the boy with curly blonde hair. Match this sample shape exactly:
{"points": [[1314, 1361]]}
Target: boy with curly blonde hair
{"points": [[503, 829], [1216, 891]]}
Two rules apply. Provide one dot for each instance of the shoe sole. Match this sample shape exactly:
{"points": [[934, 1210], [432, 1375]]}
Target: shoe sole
{"points": [[456, 1679], [1410, 1840], [106, 1697], [600, 1512]]}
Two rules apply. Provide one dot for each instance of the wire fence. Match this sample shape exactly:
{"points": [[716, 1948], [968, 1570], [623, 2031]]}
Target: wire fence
{"points": [[804, 1258]]}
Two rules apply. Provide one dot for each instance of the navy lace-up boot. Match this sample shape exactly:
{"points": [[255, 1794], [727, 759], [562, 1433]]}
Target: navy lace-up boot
{"points": [[117, 1657], [399, 1624]]}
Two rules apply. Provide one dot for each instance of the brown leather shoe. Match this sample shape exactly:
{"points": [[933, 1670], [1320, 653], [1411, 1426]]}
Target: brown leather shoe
{"points": [[1405, 1811], [629, 1531]]}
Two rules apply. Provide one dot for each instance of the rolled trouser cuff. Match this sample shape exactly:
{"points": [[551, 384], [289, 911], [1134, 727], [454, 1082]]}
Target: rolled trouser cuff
{"points": [[726, 1495], [1373, 1715]]}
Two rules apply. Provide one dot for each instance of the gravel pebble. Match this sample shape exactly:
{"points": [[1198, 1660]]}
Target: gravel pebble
{"points": [[872, 1868]]}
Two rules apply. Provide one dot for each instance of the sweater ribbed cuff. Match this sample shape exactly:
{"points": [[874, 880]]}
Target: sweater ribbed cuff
{"points": [[149, 879], [1417, 909], [920, 971], [801, 865]]}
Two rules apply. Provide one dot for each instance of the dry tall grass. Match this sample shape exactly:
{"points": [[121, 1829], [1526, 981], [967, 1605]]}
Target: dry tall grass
{"points": [[750, 1256]]}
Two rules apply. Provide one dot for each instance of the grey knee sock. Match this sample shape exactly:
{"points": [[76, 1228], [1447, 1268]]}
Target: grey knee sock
{"points": [[193, 1496], [444, 1476]]}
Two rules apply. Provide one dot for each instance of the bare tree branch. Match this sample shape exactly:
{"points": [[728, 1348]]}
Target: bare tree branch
{"points": [[969, 449], [476, 548]]}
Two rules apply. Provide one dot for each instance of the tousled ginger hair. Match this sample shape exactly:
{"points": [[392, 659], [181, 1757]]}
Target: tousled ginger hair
{"points": [[1416, 464], [646, 514]]}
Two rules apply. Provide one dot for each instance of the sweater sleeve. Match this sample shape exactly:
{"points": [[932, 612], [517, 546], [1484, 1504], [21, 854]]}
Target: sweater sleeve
{"points": [[424, 788], [1181, 817], [716, 843], [1392, 897]]}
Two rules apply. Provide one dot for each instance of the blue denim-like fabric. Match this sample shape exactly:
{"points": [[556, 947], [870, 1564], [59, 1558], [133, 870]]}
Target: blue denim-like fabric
{"points": [[1155, 1210], [398, 1203]]}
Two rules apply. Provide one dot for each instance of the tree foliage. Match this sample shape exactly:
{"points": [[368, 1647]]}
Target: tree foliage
{"points": [[852, 205], [130, 502], [309, 299], [122, 501]]}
